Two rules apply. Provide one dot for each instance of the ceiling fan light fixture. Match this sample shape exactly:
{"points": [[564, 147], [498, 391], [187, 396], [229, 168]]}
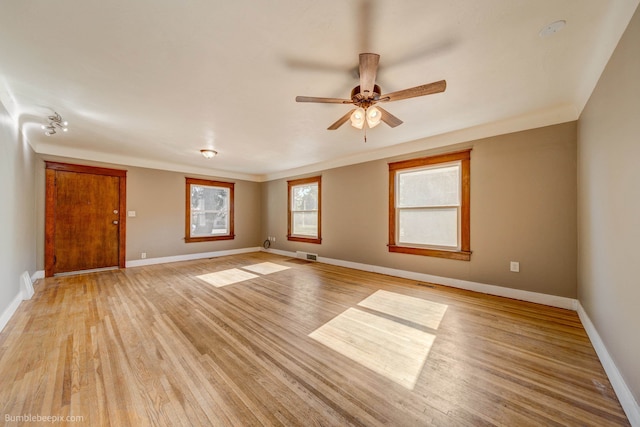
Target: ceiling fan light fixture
{"points": [[373, 117], [367, 94], [208, 153], [357, 118]]}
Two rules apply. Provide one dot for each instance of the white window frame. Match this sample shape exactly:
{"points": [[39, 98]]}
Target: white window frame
{"points": [[457, 206]]}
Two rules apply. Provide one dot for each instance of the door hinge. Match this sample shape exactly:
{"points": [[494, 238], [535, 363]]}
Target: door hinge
{"points": [[55, 259]]}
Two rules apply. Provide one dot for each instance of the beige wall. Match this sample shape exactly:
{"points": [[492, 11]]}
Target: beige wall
{"points": [[523, 208], [609, 207], [158, 197], [17, 213]]}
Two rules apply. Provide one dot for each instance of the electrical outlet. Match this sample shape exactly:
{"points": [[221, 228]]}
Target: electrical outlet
{"points": [[515, 266], [143, 255]]}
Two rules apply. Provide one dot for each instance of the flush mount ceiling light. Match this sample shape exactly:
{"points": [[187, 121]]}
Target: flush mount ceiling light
{"points": [[208, 153], [55, 124], [552, 28]]}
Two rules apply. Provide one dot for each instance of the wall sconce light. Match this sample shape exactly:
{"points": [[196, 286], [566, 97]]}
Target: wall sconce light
{"points": [[208, 153], [55, 124]]}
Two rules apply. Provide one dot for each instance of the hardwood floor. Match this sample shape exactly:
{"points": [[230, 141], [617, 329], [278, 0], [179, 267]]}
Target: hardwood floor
{"points": [[157, 345]]}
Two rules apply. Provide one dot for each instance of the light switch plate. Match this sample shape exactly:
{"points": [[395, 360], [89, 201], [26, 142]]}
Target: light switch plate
{"points": [[515, 266]]}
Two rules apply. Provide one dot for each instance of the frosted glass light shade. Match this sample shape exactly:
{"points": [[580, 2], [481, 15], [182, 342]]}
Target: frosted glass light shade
{"points": [[373, 117], [357, 118]]}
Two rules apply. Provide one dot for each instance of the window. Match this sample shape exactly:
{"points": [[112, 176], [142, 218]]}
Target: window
{"points": [[304, 210], [429, 206], [209, 210]]}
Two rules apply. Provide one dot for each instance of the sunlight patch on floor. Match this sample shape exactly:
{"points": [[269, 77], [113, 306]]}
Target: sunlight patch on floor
{"points": [[389, 348], [226, 277], [417, 310], [266, 268]]}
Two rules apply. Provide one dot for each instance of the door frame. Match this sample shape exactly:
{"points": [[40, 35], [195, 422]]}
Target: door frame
{"points": [[50, 208]]}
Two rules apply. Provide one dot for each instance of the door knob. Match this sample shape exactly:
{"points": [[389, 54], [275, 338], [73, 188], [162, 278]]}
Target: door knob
{"points": [[115, 222], [115, 211]]}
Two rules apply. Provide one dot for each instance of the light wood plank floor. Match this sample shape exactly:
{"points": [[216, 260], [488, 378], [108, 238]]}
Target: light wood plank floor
{"points": [[157, 345]]}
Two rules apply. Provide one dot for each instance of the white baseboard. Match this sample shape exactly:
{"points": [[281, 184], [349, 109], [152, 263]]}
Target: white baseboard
{"points": [[10, 310], [551, 300], [37, 275], [189, 257], [629, 404]]}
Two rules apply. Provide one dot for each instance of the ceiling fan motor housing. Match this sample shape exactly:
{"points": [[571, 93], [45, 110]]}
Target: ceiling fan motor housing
{"points": [[357, 98]]}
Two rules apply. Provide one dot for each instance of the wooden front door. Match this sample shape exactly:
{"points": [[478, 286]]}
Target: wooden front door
{"points": [[85, 221]]}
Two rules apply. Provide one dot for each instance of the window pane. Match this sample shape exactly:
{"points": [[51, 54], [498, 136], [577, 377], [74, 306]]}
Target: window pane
{"points": [[304, 197], [305, 223], [209, 211], [436, 227], [439, 186]]}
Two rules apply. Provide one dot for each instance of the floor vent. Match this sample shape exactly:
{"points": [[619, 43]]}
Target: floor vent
{"points": [[428, 285], [307, 256]]}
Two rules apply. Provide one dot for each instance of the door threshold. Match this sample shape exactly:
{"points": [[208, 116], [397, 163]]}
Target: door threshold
{"points": [[93, 270]]}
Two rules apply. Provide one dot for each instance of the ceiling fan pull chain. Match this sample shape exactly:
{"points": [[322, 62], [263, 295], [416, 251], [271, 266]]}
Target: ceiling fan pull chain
{"points": [[365, 134]]}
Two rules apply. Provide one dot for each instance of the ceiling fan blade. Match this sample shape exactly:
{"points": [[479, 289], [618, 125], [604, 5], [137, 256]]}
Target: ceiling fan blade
{"points": [[389, 118], [368, 71], [323, 100], [342, 120], [428, 89]]}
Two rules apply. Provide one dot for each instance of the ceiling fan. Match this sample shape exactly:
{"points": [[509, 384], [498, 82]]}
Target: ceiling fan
{"points": [[367, 94]]}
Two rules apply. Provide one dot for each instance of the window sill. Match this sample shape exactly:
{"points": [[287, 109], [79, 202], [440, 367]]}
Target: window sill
{"points": [[438, 253], [208, 238], [305, 239]]}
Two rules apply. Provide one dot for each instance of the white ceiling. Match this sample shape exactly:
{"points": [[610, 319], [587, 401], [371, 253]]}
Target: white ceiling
{"points": [[150, 83]]}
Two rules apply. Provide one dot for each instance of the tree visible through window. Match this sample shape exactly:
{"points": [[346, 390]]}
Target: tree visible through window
{"points": [[429, 206], [209, 210], [304, 210]]}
